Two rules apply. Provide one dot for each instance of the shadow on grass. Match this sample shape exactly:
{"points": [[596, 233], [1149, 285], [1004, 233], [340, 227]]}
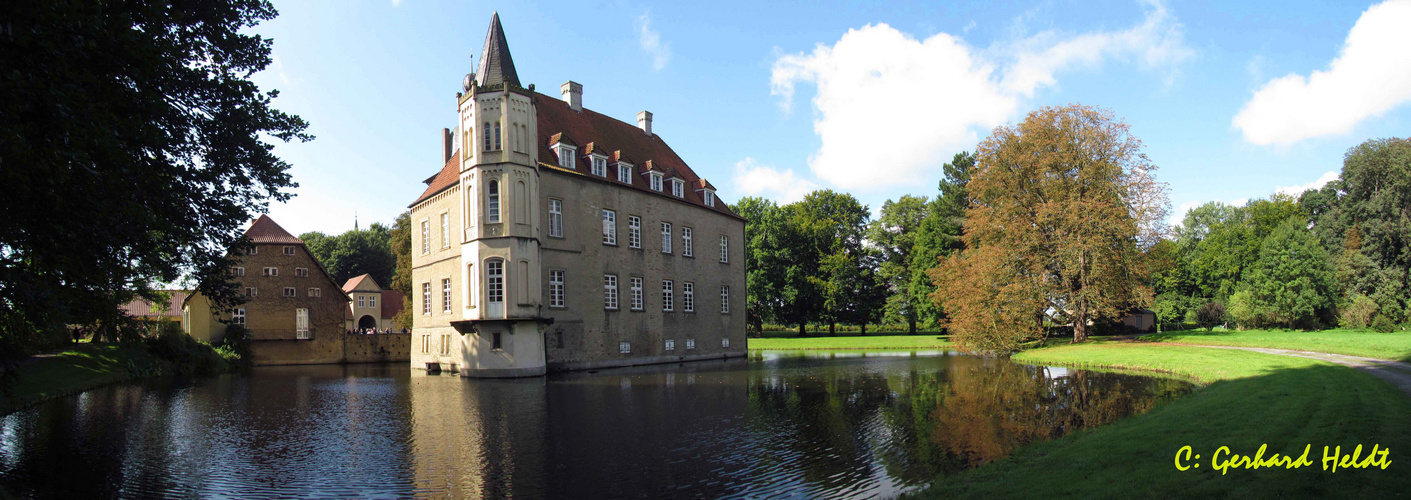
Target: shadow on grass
{"points": [[1288, 410]]}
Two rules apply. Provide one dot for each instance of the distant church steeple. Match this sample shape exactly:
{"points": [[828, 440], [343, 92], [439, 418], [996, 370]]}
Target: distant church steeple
{"points": [[496, 66], [355, 220]]}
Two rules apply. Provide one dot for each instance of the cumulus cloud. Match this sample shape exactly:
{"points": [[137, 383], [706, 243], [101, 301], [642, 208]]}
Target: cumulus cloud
{"points": [[1371, 76], [890, 107], [651, 42], [782, 186], [1317, 184]]}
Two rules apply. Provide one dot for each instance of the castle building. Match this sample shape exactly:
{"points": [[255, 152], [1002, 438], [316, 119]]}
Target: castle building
{"points": [[558, 238], [369, 306]]}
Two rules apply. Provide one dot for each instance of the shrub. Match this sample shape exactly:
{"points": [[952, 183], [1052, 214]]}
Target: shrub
{"points": [[1210, 315], [1358, 313], [185, 355], [1383, 324]]}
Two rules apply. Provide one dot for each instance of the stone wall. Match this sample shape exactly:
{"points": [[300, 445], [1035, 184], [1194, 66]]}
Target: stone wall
{"points": [[330, 349], [378, 348]]}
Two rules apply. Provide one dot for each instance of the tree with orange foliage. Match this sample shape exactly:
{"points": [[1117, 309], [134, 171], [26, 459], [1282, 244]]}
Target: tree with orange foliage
{"points": [[1062, 206]]}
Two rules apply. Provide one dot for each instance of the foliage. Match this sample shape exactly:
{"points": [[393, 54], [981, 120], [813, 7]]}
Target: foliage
{"points": [[851, 342], [1063, 205], [1358, 312], [765, 260], [1242, 311], [895, 234], [1291, 283], [401, 241], [1210, 315], [133, 150], [1382, 324], [184, 355], [939, 235], [354, 253]]}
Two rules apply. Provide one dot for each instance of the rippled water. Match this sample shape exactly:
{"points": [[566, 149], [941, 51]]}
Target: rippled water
{"points": [[780, 424]]}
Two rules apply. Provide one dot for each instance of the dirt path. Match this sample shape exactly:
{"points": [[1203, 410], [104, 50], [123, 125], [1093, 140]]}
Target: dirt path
{"points": [[1395, 372]]}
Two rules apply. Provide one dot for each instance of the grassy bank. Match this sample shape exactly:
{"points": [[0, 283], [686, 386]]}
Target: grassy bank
{"points": [[1394, 346], [1252, 399], [919, 341]]}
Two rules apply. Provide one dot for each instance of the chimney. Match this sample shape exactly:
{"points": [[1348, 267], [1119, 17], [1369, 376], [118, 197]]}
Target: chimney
{"points": [[644, 120], [573, 94], [446, 144]]}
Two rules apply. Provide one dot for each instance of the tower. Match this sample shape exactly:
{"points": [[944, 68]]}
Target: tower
{"points": [[501, 324]]}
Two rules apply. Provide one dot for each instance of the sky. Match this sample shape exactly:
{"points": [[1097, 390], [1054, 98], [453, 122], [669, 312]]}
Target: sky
{"points": [[1232, 100]]}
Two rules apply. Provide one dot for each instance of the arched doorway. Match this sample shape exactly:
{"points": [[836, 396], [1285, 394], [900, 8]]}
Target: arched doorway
{"points": [[367, 321]]}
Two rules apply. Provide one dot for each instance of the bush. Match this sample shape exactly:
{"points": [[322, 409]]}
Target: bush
{"points": [[1383, 324], [185, 355], [1210, 315], [1358, 313], [235, 346]]}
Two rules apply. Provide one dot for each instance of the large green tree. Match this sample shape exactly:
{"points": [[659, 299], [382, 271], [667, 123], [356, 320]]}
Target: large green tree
{"points": [[401, 236], [1063, 205], [1291, 285], [764, 261], [827, 251], [940, 234], [133, 150], [354, 253], [895, 233]]}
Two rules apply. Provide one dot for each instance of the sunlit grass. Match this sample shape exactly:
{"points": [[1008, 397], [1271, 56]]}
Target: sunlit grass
{"points": [[1394, 345], [84, 366]]}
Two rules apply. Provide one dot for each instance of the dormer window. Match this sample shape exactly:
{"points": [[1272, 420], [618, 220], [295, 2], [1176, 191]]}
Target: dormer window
{"points": [[624, 172], [600, 166], [656, 181], [566, 156], [709, 197], [678, 188]]}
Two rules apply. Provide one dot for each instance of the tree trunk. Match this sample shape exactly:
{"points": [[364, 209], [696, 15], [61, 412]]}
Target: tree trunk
{"points": [[911, 325], [832, 329], [1080, 327], [864, 329], [803, 329]]}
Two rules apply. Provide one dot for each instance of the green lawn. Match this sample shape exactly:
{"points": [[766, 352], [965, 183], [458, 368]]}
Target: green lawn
{"points": [[1252, 399], [82, 367], [1395, 345], [918, 341]]}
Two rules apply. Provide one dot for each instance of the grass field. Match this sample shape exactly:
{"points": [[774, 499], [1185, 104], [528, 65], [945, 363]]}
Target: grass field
{"points": [[918, 341], [1252, 399], [1394, 346], [82, 367]]}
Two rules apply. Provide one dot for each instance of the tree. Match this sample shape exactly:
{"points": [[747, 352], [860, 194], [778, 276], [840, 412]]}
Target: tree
{"points": [[401, 239], [354, 253], [894, 234], [133, 151], [764, 272], [1292, 282], [827, 252], [1063, 205], [940, 234]]}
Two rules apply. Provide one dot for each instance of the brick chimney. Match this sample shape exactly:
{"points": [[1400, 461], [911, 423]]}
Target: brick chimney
{"points": [[446, 145]]}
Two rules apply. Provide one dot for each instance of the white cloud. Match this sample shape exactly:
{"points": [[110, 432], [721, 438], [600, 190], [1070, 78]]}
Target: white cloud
{"points": [[1371, 76], [1318, 184], [651, 42], [396, 3], [783, 186], [889, 107]]}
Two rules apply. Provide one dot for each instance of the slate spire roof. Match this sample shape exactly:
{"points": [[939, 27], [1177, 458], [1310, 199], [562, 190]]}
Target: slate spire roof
{"points": [[496, 65]]}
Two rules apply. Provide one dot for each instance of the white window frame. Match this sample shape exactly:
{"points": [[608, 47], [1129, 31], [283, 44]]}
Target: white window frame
{"points": [[609, 227], [445, 294], [492, 201], [637, 303], [290, 291], [690, 344], [271, 271], [238, 271], [445, 230], [288, 250], [666, 237], [610, 292], [624, 348], [725, 343], [238, 317], [495, 281], [656, 181], [254, 250], [668, 296], [302, 272], [301, 323], [372, 301], [556, 288], [686, 246], [362, 301], [425, 236], [688, 296], [315, 292], [252, 292], [678, 188], [709, 198], [555, 218], [634, 231], [600, 165], [567, 158], [724, 249], [426, 298], [724, 299], [624, 173], [670, 345]]}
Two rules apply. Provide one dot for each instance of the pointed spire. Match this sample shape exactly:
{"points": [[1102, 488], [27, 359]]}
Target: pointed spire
{"points": [[496, 66]]}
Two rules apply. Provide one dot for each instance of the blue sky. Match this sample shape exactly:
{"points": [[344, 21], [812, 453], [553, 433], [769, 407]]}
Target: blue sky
{"points": [[1233, 100]]}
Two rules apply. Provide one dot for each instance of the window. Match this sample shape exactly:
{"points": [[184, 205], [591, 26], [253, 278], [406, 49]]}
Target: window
{"points": [[426, 298], [495, 341], [301, 323], [609, 291], [656, 181], [600, 166], [315, 292], [634, 231], [688, 296], [362, 301], [238, 318], [288, 250], [556, 288], [239, 271], [556, 218], [495, 281], [725, 249], [445, 295], [488, 141], [372, 301], [666, 237], [624, 173], [426, 344], [492, 198], [678, 188], [271, 271], [724, 299], [670, 345], [609, 227], [470, 280], [624, 347], [667, 297], [254, 250], [709, 198], [302, 272], [690, 344], [289, 291], [725, 343], [498, 136], [445, 344], [686, 241], [426, 236], [445, 230], [566, 157], [251, 291], [637, 294]]}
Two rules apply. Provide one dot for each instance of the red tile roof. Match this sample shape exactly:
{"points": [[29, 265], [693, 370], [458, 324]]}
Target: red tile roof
{"points": [[142, 308], [264, 230], [560, 123], [354, 282]]}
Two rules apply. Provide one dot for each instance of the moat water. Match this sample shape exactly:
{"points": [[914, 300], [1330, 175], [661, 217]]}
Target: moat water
{"points": [[780, 423]]}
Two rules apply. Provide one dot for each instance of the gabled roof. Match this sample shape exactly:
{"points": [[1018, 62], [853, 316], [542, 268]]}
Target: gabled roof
{"points": [[391, 303], [142, 308], [704, 184], [264, 230], [449, 175], [496, 65], [360, 281]]}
